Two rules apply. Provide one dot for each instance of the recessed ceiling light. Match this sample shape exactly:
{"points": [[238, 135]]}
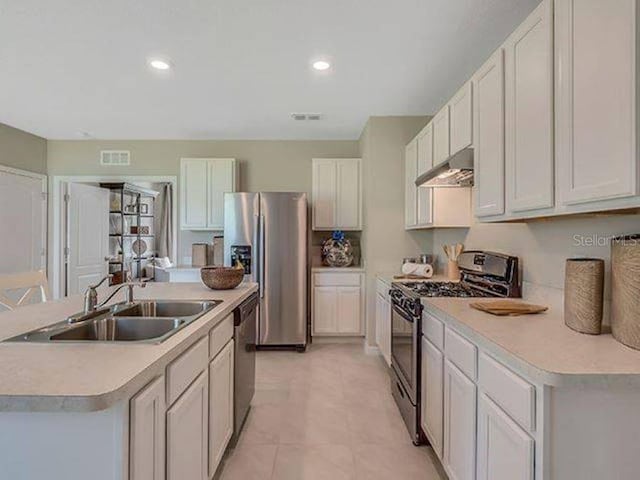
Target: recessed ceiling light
{"points": [[159, 64], [321, 65]]}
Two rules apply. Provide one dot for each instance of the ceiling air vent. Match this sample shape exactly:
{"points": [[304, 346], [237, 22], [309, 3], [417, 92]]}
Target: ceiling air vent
{"points": [[115, 157], [306, 116]]}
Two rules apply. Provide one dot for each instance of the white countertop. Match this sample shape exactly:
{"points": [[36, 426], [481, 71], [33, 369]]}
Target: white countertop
{"points": [[93, 376], [542, 346]]}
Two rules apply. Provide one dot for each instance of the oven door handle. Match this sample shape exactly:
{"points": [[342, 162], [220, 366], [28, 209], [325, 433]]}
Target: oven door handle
{"points": [[402, 313]]}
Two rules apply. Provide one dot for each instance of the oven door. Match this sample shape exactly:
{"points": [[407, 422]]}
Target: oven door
{"points": [[404, 349]]}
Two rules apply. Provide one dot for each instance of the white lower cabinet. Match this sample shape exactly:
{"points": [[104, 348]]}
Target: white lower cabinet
{"points": [[484, 430], [459, 453], [220, 405], [187, 433], [147, 433], [337, 304], [505, 451], [383, 327], [433, 392], [349, 316]]}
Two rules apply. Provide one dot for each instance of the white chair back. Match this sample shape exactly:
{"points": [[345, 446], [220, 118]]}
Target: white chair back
{"points": [[33, 281]]}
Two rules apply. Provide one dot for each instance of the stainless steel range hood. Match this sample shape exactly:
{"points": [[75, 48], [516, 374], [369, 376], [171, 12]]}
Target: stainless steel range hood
{"points": [[455, 171]]}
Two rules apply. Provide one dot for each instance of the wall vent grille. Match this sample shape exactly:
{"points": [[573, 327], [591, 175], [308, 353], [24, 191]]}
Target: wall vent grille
{"points": [[115, 157]]}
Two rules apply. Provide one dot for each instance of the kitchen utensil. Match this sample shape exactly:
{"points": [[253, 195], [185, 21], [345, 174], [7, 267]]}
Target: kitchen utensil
{"points": [[221, 278], [453, 252], [583, 291], [625, 290], [508, 307], [139, 247]]}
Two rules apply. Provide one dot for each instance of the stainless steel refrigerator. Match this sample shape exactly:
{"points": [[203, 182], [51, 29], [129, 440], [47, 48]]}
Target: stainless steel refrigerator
{"points": [[267, 233]]}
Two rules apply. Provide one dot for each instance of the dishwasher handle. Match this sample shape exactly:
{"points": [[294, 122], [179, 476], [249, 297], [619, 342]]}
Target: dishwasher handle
{"points": [[245, 309]]}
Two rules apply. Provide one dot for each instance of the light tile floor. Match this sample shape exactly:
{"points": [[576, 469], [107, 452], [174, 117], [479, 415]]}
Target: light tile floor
{"points": [[327, 414]]}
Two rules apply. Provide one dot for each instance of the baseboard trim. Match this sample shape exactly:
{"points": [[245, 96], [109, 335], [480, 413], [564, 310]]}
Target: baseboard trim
{"points": [[336, 339], [371, 350]]}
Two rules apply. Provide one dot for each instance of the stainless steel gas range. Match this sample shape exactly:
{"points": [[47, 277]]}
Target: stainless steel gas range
{"points": [[483, 274]]}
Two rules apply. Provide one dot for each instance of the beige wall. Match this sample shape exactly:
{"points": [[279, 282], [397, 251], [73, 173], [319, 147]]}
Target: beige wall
{"points": [[384, 239], [264, 165], [19, 149], [543, 246]]}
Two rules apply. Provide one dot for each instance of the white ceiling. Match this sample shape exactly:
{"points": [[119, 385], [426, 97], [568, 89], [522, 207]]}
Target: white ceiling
{"points": [[241, 67]]}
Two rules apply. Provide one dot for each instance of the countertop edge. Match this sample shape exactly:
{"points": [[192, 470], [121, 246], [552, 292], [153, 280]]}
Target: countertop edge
{"points": [[106, 400], [531, 371]]}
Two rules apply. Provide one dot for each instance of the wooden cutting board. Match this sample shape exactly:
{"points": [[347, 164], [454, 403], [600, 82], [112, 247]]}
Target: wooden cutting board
{"points": [[508, 307]]}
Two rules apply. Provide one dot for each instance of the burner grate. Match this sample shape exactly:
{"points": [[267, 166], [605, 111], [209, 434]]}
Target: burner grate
{"points": [[444, 289]]}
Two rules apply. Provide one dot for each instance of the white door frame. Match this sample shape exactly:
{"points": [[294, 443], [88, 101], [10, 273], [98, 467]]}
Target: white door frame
{"points": [[43, 179], [57, 210]]}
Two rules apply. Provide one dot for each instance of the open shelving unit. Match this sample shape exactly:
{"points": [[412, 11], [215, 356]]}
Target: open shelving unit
{"points": [[131, 208]]}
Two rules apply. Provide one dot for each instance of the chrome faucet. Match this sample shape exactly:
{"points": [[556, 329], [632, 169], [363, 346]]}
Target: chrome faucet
{"points": [[91, 294]]}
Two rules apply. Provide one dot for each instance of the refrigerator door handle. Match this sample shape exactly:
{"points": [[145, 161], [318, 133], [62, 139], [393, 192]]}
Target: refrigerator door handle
{"points": [[262, 256], [255, 274]]}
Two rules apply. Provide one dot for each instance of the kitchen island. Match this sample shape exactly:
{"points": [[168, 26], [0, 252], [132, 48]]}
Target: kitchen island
{"points": [[116, 410]]}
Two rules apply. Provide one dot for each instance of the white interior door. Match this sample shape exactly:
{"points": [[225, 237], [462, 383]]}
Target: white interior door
{"points": [[23, 215], [87, 236]]}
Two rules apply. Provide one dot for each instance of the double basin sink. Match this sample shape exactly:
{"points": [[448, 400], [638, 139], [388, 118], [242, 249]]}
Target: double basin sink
{"points": [[146, 321]]}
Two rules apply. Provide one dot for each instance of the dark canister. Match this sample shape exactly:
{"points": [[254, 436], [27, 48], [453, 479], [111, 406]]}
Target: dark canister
{"points": [[583, 292], [625, 290]]}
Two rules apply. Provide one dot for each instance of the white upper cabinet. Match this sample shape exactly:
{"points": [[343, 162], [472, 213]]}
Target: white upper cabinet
{"points": [[596, 101], [337, 194], [424, 211], [488, 127], [461, 118], [203, 183], [324, 193], [410, 190], [193, 193], [222, 179], [441, 135], [529, 113], [425, 149], [431, 207]]}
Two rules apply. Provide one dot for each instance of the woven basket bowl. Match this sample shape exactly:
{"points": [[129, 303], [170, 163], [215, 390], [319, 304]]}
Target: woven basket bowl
{"points": [[221, 278]]}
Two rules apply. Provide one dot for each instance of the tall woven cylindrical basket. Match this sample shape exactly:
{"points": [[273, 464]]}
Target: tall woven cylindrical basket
{"points": [[625, 290], [583, 291]]}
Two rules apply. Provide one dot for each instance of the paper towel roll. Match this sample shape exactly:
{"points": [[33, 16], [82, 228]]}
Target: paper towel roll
{"points": [[419, 269]]}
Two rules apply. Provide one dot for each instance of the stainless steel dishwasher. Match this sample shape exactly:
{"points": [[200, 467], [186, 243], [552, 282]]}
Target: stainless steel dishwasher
{"points": [[244, 335]]}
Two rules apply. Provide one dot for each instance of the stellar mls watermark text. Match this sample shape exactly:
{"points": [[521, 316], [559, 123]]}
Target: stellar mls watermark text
{"points": [[597, 240]]}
